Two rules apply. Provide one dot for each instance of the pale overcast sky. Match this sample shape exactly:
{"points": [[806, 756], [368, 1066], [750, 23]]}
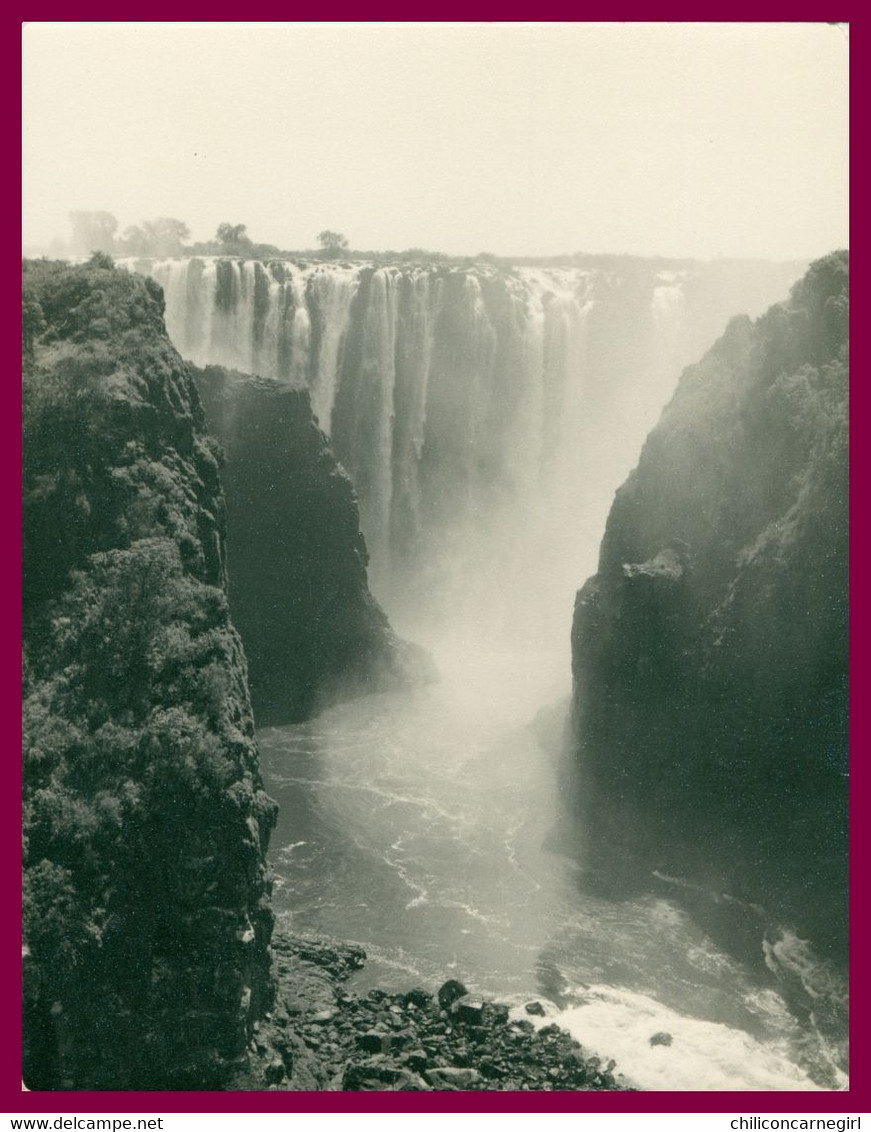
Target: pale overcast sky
{"points": [[518, 139]]}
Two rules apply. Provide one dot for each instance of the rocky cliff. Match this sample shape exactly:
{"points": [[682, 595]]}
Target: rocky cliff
{"points": [[710, 649], [313, 632], [146, 912]]}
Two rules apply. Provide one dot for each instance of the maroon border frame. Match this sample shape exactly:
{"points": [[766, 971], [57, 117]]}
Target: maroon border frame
{"points": [[12, 1098]]}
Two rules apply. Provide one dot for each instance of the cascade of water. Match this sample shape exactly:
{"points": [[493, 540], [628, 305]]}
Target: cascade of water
{"points": [[556, 503], [230, 339], [271, 326], [467, 403], [482, 360], [420, 300], [454, 462], [564, 298], [527, 428], [299, 331], [380, 375], [172, 275], [330, 292], [669, 329], [210, 286]]}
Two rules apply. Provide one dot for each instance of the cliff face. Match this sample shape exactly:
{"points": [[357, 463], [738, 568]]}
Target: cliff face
{"points": [[146, 824], [313, 633], [710, 649]]}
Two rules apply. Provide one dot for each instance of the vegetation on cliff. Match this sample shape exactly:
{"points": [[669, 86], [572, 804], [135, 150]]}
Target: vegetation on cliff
{"points": [[146, 889], [710, 649]]}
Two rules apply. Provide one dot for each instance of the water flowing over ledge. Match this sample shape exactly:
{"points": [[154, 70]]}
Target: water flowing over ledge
{"points": [[468, 403]]}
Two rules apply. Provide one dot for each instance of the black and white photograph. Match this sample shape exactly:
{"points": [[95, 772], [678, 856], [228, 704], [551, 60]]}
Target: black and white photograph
{"points": [[435, 529]]}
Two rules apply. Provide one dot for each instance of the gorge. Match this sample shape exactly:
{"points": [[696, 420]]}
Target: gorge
{"points": [[484, 416]]}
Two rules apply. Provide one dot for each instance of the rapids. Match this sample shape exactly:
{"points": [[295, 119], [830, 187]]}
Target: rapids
{"points": [[423, 826]]}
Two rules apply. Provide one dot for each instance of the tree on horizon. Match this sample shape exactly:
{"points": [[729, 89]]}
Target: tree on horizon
{"points": [[332, 243]]}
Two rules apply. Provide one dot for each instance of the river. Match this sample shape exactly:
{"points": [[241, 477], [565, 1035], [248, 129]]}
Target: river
{"points": [[423, 825]]}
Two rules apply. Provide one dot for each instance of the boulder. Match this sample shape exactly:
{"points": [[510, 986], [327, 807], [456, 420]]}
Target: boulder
{"points": [[373, 1041], [496, 1013], [377, 1073], [449, 992], [416, 1060], [469, 1010], [377, 1041], [274, 1071], [418, 997], [454, 1078]]}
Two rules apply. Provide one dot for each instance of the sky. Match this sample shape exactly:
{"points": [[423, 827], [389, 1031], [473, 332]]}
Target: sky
{"points": [[674, 139]]}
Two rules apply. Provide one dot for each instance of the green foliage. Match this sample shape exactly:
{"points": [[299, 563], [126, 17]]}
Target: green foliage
{"points": [[421, 255], [139, 763], [73, 299], [109, 422], [231, 233], [333, 244], [32, 322], [60, 926], [233, 239]]}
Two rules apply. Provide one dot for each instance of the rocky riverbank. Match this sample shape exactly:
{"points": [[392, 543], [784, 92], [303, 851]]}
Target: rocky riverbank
{"points": [[321, 1035]]}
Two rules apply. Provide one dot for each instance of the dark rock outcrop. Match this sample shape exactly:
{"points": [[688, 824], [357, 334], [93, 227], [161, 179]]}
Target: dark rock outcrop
{"points": [[710, 649], [450, 992], [146, 914], [313, 632]]}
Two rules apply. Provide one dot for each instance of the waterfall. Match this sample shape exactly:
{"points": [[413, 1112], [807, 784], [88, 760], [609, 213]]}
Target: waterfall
{"points": [[330, 294], [485, 414], [420, 302], [363, 412]]}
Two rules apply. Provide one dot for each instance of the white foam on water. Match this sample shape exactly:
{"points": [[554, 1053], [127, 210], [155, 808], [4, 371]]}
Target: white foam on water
{"points": [[790, 954], [615, 1023]]}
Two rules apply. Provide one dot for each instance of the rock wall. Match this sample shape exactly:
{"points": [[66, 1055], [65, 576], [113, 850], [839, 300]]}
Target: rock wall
{"points": [[146, 916], [297, 561], [710, 649]]}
